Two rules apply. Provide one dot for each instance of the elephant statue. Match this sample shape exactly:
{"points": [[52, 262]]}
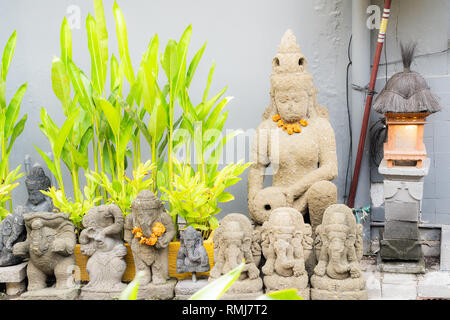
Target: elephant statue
{"points": [[234, 242], [12, 230], [338, 273], [49, 245], [192, 255]]}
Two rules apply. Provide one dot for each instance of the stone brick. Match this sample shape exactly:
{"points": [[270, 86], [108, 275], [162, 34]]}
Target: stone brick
{"points": [[401, 230], [399, 291], [434, 285], [399, 278], [15, 273], [445, 248], [432, 234], [402, 211], [373, 285]]}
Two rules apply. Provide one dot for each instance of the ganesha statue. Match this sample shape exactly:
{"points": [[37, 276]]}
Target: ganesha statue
{"points": [[233, 242], [36, 181], [282, 247], [149, 230], [49, 245], [296, 140], [101, 240], [338, 272], [12, 231], [192, 255]]}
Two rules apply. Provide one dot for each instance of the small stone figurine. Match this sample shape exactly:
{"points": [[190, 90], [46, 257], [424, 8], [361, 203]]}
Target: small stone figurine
{"points": [[101, 241], [337, 275], [233, 242], [149, 230], [36, 181], [192, 255], [49, 245], [12, 231], [282, 247]]}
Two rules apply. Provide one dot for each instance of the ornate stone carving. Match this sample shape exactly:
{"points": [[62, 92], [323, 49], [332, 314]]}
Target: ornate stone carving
{"points": [[338, 274], [192, 255], [233, 242], [147, 212], [284, 236], [12, 231], [49, 245], [101, 240], [296, 139]]}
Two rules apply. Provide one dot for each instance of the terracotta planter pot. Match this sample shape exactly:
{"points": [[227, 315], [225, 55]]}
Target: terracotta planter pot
{"points": [[129, 273]]}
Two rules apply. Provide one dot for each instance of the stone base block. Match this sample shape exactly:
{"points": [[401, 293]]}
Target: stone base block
{"points": [[13, 274], [435, 285], [157, 291], [415, 267], [15, 288], [325, 288], [400, 249], [88, 293], [52, 294], [275, 282], [401, 230], [241, 296], [186, 288]]}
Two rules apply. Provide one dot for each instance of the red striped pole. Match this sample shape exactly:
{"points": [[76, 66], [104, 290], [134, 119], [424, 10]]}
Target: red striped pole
{"points": [[373, 79]]}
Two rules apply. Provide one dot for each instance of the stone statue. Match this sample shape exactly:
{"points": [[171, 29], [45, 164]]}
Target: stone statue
{"points": [[36, 181], [233, 242], [149, 230], [49, 245], [282, 246], [12, 231], [192, 255], [338, 273], [296, 139], [101, 240]]}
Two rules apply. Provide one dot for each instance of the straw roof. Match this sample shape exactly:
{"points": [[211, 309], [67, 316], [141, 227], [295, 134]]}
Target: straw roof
{"points": [[406, 91]]}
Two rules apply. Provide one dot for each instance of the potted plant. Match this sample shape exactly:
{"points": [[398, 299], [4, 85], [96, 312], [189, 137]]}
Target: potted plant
{"points": [[107, 123]]}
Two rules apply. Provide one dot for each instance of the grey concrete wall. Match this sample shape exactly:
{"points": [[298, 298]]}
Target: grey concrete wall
{"points": [[428, 25], [242, 38]]}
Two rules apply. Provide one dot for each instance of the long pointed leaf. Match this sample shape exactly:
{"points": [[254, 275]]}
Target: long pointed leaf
{"points": [[102, 33], [8, 53], [12, 112], [61, 84], [66, 42], [121, 30], [97, 61]]}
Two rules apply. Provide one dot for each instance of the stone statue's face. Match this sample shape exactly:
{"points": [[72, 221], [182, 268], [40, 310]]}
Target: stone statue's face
{"points": [[292, 105], [35, 196], [189, 241]]}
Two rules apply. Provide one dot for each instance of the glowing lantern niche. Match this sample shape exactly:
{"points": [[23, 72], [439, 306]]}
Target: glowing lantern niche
{"points": [[406, 101], [405, 139]]}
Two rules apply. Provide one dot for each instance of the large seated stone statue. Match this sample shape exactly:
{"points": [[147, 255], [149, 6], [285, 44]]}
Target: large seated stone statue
{"points": [[233, 242], [149, 230], [12, 231], [49, 245], [282, 247], [296, 139], [36, 181], [337, 275], [101, 240]]}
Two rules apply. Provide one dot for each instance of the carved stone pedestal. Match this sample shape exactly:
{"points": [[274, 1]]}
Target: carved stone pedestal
{"points": [[403, 192], [52, 294], [14, 278], [157, 291], [186, 288], [276, 282], [247, 289]]}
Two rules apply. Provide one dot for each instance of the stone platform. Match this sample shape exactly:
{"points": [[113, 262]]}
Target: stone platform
{"points": [[186, 288], [52, 294], [152, 291], [14, 278]]}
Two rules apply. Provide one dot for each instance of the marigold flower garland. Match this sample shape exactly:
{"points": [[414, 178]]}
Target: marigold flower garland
{"points": [[290, 127], [157, 230]]}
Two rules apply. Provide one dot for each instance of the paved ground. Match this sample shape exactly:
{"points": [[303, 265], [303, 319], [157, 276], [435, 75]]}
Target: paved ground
{"points": [[434, 284]]}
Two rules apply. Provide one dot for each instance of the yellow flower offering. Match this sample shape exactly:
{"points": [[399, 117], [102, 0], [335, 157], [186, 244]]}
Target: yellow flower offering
{"points": [[158, 229]]}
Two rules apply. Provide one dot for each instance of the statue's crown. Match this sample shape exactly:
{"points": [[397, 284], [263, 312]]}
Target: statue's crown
{"points": [[147, 199], [289, 66]]}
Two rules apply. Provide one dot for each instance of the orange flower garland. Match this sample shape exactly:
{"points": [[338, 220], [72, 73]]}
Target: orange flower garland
{"points": [[157, 230], [290, 127]]}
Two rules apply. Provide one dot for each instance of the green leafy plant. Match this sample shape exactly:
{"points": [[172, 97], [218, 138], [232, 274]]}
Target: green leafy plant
{"points": [[10, 128], [78, 208], [6, 186], [122, 193], [197, 202]]}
